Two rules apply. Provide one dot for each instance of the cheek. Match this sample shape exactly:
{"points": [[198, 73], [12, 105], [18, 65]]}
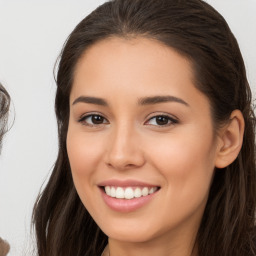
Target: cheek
{"points": [[186, 163], [84, 153]]}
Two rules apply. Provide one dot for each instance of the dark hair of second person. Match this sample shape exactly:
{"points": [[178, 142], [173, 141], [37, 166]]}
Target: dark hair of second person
{"points": [[4, 108]]}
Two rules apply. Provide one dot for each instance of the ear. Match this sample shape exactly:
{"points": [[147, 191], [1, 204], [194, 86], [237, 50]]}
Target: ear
{"points": [[230, 140]]}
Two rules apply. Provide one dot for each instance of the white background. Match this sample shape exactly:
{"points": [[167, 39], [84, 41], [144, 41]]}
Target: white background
{"points": [[32, 33]]}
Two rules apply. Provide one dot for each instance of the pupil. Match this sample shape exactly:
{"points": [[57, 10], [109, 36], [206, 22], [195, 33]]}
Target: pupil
{"points": [[97, 119], [161, 120]]}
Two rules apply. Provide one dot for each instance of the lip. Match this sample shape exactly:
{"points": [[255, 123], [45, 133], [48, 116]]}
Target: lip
{"points": [[126, 205], [125, 183]]}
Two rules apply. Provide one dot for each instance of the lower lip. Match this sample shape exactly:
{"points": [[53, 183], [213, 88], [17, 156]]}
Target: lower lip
{"points": [[126, 205]]}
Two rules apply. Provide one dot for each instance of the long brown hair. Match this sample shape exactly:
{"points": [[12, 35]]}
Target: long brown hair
{"points": [[4, 108], [197, 31]]}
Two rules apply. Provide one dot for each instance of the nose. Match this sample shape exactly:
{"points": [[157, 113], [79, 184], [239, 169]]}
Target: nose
{"points": [[124, 150]]}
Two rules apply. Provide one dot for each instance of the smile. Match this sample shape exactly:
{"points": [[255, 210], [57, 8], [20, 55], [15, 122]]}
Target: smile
{"points": [[129, 192], [127, 195]]}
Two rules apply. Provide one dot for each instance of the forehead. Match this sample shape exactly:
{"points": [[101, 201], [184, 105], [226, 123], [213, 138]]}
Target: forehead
{"points": [[134, 68], [130, 50], [139, 59]]}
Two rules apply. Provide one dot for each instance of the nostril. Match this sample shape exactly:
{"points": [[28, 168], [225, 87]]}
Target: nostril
{"points": [[124, 154]]}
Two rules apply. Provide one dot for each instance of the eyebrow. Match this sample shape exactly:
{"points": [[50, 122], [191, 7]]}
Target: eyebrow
{"points": [[161, 99], [142, 101], [90, 100]]}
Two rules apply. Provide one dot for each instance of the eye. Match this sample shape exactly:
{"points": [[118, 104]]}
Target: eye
{"points": [[161, 120], [93, 120]]}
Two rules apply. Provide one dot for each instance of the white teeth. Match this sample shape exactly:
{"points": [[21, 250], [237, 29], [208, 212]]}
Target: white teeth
{"points": [[137, 192], [145, 191], [152, 190], [113, 192], [108, 190], [129, 193], [120, 193]]}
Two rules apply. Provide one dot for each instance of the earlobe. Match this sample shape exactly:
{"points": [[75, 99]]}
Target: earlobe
{"points": [[230, 140]]}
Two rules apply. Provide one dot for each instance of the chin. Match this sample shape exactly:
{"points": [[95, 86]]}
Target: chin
{"points": [[132, 234], [131, 237]]}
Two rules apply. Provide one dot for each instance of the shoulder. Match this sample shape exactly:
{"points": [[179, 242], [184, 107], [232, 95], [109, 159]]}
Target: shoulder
{"points": [[4, 247]]}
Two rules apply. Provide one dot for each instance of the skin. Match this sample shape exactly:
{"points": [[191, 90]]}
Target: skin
{"points": [[180, 157]]}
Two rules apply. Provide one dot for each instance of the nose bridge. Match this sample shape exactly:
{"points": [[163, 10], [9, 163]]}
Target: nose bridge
{"points": [[121, 136], [123, 149]]}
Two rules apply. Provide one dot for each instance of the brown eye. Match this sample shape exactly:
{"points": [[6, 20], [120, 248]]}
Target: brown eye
{"points": [[161, 120], [93, 120], [97, 119]]}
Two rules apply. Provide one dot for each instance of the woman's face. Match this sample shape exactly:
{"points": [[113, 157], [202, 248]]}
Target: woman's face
{"points": [[140, 131]]}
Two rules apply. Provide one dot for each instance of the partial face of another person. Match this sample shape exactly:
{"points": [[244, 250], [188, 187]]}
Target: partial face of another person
{"points": [[140, 141]]}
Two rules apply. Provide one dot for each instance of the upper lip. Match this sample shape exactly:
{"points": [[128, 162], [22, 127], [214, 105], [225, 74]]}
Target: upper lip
{"points": [[125, 183]]}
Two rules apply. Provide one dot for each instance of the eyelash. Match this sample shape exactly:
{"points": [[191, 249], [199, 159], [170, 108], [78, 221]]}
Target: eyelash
{"points": [[83, 120], [170, 120]]}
